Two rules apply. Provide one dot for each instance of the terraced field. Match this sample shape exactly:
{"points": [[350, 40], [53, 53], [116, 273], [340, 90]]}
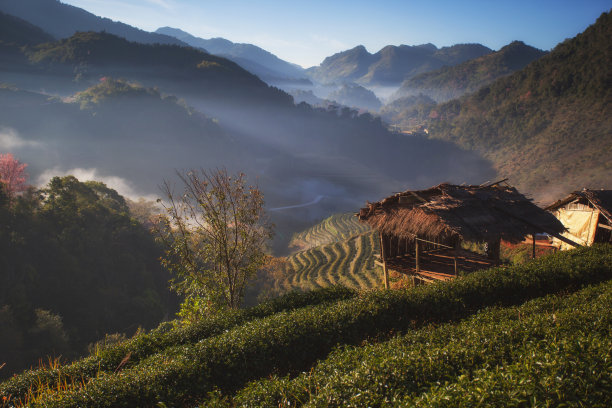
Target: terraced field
{"points": [[338, 227], [337, 251]]}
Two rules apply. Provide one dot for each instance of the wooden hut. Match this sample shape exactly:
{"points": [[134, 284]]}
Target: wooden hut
{"points": [[421, 231], [587, 216]]}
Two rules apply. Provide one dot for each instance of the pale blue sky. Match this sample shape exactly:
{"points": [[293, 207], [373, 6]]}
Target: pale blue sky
{"points": [[307, 31]]}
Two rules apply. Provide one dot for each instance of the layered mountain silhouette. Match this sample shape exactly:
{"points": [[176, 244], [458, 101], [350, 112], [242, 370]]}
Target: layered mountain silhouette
{"points": [[63, 20], [254, 59], [450, 82], [547, 126], [72, 64], [392, 64], [14, 30]]}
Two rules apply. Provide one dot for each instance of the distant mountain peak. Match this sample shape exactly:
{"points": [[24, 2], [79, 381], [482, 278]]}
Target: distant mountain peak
{"points": [[252, 58]]}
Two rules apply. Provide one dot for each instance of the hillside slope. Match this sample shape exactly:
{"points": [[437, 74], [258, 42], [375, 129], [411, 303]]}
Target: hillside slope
{"points": [[549, 126], [451, 82], [260, 62], [557, 343], [63, 20]]}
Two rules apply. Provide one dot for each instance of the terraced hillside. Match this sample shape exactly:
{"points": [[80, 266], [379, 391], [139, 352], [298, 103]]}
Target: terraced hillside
{"points": [[348, 262], [335, 228], [336, 251]]}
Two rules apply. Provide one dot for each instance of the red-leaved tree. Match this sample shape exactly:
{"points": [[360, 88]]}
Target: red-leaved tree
{"points": [[12, 174]]}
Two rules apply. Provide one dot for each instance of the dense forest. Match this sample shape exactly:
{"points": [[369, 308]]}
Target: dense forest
{"points": [[75, 264]]}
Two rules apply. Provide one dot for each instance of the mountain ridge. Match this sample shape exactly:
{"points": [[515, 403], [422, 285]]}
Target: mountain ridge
{"points": [[391, 64], [450, 82], [547, 126], [63, 20], [251, 57]]}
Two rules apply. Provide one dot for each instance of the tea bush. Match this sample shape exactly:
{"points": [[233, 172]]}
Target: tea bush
{"points": [[291, 341]]}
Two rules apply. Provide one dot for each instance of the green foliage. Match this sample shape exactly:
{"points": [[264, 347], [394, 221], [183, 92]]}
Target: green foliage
{"points": [[290, 342], [111, 88], [74, 265], [554, 349], [108, 353]]}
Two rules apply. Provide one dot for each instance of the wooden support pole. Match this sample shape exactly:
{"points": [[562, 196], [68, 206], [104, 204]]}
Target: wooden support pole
{"points": [[455, 261], [416, 252], [533, 246], [383, 251]]}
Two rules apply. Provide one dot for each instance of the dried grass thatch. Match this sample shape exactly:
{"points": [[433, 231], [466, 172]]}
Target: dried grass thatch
{"points": [[447, 213]]}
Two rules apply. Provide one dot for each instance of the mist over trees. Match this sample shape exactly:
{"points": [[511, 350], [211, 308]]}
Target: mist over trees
{"points": [[74, 265]]}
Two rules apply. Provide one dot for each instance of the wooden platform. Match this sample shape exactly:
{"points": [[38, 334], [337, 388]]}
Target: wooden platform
{"points": [[438, 264]]}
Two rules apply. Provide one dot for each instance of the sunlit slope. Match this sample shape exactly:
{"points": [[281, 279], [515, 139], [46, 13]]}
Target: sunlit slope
{"points": [[336, 251], [335, 228], [348, 262], [468, 340]]}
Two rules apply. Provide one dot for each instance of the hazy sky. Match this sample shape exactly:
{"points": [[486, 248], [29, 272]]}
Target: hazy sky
{"points": [[307, 31]]}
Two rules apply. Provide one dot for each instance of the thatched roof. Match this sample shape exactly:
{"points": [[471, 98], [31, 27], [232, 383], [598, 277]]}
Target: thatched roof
{"points": [[449, 212], [600, 199]]}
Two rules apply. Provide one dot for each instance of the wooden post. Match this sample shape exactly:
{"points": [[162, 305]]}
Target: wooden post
{"points": [[455, 259], [416, 252], [533, 246], [383, 251]]}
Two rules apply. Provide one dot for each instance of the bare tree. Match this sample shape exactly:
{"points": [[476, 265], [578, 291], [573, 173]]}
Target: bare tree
{"points": [[215, 234]]}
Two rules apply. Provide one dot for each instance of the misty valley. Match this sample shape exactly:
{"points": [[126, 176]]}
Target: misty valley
{"points": [[131, 161]]}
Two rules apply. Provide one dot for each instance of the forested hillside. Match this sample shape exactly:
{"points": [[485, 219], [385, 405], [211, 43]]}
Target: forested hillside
{"points": [[535, 332], [547, 127], [451, 82], [74, 265]]}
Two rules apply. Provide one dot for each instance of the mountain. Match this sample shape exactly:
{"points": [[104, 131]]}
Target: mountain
{"points": [[80, 61], [14, 30], [451, 82], [356, 96], [548, 126], [63, 20], [260, 62], [392, 64]]}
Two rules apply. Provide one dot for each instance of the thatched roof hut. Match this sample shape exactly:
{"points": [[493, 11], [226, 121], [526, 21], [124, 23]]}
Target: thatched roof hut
{"points": [[448, 213], [420, 231], [587, 216]]}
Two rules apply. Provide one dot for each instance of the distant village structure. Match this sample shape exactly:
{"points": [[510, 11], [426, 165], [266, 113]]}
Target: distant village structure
{"points": [[587, 216], [421, 231]]}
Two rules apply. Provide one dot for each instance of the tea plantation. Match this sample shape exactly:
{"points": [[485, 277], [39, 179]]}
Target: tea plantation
{"points": [[537, 334]]}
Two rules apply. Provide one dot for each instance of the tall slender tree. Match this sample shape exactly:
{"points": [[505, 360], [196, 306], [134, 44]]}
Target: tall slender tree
{"points": [[215, 233]]}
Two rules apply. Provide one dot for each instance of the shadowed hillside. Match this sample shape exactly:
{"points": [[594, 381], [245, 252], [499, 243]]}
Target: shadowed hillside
{"points": [[63, 20]]}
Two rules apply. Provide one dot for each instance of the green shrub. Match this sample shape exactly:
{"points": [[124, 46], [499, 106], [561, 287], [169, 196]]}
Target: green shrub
{"points": [[291, 341], [554, 349], [107, 359]]}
